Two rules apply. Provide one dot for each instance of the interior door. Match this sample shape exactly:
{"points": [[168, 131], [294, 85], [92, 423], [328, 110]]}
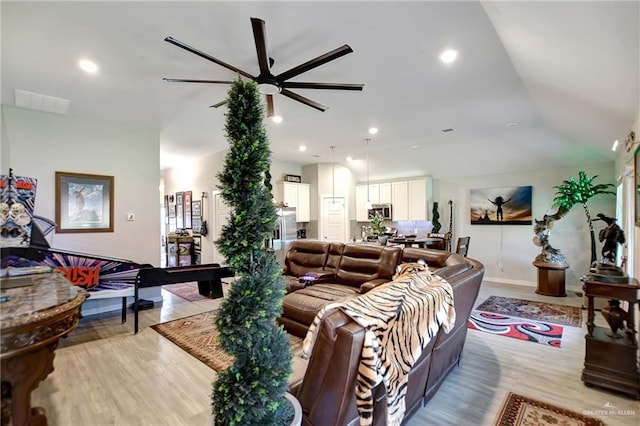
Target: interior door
{"points": [[220, 217], [334, 219]]}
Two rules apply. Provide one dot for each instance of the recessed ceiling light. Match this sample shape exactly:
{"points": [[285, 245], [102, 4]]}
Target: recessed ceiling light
{"points": [[415, 146], [615, 145], [373, 130], [276, 119], [302, 148], [447, 130], [513, 124], [448, 56], [349, 158], [88, 66]]}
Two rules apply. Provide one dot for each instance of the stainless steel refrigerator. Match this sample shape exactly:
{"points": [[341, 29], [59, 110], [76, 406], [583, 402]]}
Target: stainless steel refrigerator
{"points": [[285, 232]]}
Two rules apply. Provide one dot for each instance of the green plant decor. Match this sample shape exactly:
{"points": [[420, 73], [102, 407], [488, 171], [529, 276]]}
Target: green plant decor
{"points": [[578, 191], [251, 391], [434, 220], [377, 223]]}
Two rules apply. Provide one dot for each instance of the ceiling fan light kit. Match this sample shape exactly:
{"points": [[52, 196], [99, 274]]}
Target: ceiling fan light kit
{"points": [[269, 84]]}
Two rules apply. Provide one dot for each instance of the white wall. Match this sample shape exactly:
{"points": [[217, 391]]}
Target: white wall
{"points": [[38, 144], [511, 245]]}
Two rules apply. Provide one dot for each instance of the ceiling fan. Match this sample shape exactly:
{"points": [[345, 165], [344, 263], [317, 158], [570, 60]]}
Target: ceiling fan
{"points": [[269, 84]]}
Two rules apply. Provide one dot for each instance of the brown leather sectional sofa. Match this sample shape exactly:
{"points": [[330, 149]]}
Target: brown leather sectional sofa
{"points": [[327, 389]]}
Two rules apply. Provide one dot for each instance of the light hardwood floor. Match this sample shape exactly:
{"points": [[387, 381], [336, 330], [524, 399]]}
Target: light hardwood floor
{"points": [[105, 375]]}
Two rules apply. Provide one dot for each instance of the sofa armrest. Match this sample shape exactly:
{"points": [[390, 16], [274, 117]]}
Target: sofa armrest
{"points": [[365, 287]]}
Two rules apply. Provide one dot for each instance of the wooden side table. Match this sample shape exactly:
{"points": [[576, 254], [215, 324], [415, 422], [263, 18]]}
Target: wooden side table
{"points": [[33, 319], [551, 279], [611, 361]]}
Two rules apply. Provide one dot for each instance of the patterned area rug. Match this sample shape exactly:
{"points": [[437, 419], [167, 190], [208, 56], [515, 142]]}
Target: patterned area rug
{"points": [[518, 328], [197, 334], [538, 311], [518, 410], [186, 291]]}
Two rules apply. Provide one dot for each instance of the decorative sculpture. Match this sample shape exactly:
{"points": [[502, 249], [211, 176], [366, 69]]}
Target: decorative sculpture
{"points": [[615, 317], [436, 216], [612, 235], [542, 229]]}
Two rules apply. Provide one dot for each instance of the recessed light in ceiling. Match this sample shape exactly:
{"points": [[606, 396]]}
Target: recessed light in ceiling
{"points": [[349, 158], [276, 119], [302, 148], [448, 56], [373, 130], [512, 124], [88, 66], [447, 130], [415, 146], [615, 145], [316, 155]]}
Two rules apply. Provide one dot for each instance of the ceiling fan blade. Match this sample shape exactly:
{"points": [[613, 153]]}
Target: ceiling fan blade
{"points": [[206, 56], [329, 86], [260, 37], [188, 80], [219, 104], [316, 62], [306, 101], [270, 110]]}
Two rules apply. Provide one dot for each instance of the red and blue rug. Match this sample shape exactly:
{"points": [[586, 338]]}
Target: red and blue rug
{"points": [[517, 328]]}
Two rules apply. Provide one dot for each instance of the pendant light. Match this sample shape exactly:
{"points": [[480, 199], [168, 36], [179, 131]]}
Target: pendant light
{"points": [[333, 174], [368, 199]]}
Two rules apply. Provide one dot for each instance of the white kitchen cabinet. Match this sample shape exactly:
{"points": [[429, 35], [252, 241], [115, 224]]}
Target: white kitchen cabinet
{"points": [[400, 200], [374, 193], [385, 193], [361, 203], [420, 195], [295, 195]]}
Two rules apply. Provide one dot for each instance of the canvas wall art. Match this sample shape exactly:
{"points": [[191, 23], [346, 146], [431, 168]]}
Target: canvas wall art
{"points": [[510, 205]]}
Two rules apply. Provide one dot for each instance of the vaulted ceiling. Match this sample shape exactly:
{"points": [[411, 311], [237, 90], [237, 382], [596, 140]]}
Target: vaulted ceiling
{"points": [[536, 84]]}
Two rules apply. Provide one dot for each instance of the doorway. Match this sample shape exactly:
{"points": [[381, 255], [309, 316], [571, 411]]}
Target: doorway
{"points": [[220, 218], [334, 220]]}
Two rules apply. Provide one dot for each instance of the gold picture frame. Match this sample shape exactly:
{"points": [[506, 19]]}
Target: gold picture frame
{"points": [[84, 202]]}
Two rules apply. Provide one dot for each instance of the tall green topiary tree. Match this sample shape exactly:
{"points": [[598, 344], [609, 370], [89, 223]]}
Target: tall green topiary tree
{"points": [[579, 191], [251, 391]]}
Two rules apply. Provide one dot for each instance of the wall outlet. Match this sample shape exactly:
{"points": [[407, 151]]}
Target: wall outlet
{"points": [[131, 216]]}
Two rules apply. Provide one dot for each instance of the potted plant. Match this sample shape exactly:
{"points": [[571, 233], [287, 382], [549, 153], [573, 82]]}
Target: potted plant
{"points": [[377, 226], [252, 391], [579, 191]]}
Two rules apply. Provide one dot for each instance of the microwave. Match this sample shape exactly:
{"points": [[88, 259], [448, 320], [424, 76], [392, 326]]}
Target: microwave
{"points": [[383, 209]]}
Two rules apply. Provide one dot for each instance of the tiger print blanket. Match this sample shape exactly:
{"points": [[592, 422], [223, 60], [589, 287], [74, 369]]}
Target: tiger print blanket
{"points": [[400, 318]]}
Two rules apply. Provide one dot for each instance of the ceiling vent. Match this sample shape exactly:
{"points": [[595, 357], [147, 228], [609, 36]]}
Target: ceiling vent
{"points": [[38, 102], [447, 130]]}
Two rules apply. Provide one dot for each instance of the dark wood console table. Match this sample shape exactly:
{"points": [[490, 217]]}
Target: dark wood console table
{"points": [[40, 310], [612, 361]]}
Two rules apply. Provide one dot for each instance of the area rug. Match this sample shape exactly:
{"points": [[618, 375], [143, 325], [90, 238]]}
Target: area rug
{"points": [[198, 336], [517, 328], [538, 311], [518, 410], [186, 291]]}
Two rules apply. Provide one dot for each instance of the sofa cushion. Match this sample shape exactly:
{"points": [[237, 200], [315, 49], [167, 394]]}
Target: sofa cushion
{"points": [[303, 305], [305, 256], [360, 264]]}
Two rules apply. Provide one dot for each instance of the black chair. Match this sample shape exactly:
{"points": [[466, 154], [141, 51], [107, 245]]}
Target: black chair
{"points": [[463, 246]]}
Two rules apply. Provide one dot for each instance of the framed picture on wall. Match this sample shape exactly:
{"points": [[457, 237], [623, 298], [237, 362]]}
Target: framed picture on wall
{"points": [[187, 209], [179, 210], [84, 202], [196, 215], [510, 205]]}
